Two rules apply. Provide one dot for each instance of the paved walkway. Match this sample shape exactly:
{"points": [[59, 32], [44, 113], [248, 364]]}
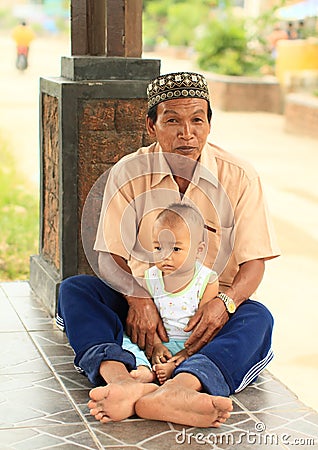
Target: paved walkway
{"points": [[43, 400]]}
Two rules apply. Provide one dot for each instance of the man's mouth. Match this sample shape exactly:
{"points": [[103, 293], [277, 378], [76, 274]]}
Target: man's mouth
{"points": [[186, 149]]}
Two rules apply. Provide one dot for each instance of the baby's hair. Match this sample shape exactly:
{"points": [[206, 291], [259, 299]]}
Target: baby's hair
{"points": [[176, 212]]}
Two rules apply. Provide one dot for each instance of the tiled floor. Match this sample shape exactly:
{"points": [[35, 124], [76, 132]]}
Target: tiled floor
{"points": [[43, 400]]}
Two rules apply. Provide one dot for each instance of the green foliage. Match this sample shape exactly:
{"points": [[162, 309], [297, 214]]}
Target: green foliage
{"points": [[183, 20], [154, 19], [173, 21], [7, 20], [233, 45], [18, 221], [228, 44], [223, 45]]}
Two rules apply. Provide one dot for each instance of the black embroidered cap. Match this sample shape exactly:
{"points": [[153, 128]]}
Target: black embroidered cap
{"points": [[177, 85]]}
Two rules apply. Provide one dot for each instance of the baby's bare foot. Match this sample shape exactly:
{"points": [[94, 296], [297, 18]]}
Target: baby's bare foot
{"points": [[164, 371], [116, 401], [174, 403], [143, 374]]}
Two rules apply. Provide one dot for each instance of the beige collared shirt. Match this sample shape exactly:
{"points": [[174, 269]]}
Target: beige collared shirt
{"points": [[225, 189]]}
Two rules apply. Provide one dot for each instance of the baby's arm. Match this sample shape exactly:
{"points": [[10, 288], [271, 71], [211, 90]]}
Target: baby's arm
{"points": [[211, 290]]}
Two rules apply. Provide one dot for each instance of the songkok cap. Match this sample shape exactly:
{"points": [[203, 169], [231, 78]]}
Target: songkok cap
{"points": [[177, 85]]}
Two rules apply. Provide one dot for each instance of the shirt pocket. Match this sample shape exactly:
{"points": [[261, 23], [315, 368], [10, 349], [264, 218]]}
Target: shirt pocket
{"points": [[220, 245]]}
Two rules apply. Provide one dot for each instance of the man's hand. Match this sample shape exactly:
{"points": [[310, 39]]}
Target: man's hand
{"points": [[142, 323], [205, 324], [143, 319]]}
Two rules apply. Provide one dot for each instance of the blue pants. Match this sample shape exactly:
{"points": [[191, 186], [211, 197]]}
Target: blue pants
{"points": [[93, 316]]}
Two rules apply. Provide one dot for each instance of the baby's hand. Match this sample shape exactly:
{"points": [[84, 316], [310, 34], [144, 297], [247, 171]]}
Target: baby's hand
{"points": [[160, 354], [179, 357]]}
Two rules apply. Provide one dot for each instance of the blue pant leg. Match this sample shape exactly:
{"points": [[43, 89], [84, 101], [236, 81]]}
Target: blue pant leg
{"points": [[242, 349], [237, 354], [93, 315]]}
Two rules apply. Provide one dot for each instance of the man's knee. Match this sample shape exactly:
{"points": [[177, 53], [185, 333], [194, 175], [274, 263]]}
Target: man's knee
{"points": [[76, 282], [258, 313]]}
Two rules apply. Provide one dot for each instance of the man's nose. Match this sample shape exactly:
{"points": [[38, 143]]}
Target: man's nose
{"points": [[186, 131]]}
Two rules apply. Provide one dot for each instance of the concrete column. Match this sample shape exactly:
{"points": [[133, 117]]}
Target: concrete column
{"points": [[89, 118]]}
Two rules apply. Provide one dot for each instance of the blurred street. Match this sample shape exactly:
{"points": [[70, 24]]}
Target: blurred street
{"points": [[287, 164], [19, 98]]}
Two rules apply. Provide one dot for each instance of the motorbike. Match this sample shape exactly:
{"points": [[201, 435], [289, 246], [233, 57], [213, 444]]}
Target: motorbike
{"points": [[22, 58]]}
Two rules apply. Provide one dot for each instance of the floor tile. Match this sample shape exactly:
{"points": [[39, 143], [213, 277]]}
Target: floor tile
{"points": [[9, 320], [32, 313], [18, 354], [65, 437], [54, 346], [17, 288], [176, 441], [132, 431], [41, 396], [37, 371]]}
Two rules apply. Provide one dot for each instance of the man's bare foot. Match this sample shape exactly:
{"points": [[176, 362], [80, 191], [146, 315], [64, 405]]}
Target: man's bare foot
{"points": [[116, 401], [174, 403], [164, 371], [143, 374]]}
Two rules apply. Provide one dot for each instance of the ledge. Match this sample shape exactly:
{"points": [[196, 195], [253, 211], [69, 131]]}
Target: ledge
{"points": [[235, 93], [301, 114], [78, 68]]}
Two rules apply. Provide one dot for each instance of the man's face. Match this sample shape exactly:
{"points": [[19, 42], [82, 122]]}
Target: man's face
{"points": [[182, 126]]}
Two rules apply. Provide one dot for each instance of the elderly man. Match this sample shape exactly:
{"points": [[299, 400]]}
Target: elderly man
{"points": [[230, 342]]}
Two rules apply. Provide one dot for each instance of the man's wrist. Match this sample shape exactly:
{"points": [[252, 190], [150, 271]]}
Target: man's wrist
{"points": [[228, 302], [136, 298]]}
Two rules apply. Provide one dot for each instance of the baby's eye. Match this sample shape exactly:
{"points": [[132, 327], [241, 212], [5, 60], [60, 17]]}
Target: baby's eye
{"points": [[176, 249], [158, 249]]}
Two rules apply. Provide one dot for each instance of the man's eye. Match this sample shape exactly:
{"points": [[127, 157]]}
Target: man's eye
{"points": [[158, 249]]}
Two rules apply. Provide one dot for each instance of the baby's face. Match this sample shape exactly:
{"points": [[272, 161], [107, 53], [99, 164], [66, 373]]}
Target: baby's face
{"points": [[174, 250]]}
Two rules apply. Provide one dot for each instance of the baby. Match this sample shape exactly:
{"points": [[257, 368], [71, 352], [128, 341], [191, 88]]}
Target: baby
{"points": [[179, 285]]}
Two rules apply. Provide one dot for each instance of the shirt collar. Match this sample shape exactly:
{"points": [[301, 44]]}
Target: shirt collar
{"points": [[160, 167], [206, 169]]}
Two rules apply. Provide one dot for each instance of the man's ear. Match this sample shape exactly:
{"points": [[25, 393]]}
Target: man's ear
{"points": [[150, 126]]}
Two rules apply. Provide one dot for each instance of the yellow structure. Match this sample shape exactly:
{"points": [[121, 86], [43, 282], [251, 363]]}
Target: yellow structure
{"points": [[295, 57]]}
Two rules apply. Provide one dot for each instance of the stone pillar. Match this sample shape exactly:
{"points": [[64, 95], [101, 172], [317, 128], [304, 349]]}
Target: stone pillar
{"points": [[89, 118]]}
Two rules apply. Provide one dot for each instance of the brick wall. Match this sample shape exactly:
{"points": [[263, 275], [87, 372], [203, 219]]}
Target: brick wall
{"points": [[301, 114], [50, 212], [108, 130], [245, 94]]}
